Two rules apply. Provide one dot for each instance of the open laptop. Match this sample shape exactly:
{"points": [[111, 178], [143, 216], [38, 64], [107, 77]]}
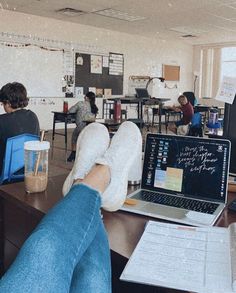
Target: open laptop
{"points": [[184, 179], [142, 93]]}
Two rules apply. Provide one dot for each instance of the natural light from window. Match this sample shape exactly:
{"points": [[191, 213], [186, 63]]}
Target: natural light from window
{"points": [[228, 62]]}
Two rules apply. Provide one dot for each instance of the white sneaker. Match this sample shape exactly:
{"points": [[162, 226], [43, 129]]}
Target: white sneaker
{"points": [[121, 154], [91, 144]]}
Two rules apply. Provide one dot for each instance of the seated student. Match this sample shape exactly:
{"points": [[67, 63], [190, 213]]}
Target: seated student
{"points": [[16, 120], [69, 250], [85, 110], [186, 108]]}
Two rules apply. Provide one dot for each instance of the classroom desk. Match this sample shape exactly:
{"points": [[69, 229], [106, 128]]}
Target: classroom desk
{"points": [[21, 212], [140, 102], [107, 122], [62, 117]]}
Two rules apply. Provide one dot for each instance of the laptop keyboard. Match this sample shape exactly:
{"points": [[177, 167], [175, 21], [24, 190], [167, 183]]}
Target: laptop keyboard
{"points": [[178, 202]]}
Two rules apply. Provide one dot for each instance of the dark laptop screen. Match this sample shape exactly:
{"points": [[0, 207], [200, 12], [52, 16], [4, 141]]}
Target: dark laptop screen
{"points": [[142, 93], [190, 166]]}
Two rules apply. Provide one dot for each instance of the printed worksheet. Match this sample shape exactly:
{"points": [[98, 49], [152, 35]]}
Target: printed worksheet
{"points": [[196, 259]]}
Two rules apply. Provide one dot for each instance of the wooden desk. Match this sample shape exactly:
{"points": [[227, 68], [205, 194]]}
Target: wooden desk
{"points": [[61, 117], [21, 212]]}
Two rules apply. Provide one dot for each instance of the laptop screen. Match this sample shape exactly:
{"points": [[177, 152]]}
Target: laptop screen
{"points": [[188, 166], [142, 93]]}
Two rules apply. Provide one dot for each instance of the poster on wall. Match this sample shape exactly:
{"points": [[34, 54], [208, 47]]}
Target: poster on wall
{"points": [[227, 90], [116, 64], [96, 64]]}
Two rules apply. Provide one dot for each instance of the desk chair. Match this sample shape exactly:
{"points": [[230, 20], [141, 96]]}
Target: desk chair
{"points": [[191, 98], [194, 128], [196, 125], [170, 116], [14, 157], [108, 110]]}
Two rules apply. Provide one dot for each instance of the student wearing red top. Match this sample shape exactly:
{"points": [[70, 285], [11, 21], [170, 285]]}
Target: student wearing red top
{"points": [[187, 109]]}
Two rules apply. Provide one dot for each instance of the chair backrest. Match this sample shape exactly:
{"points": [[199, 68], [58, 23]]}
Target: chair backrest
{"points": [[196, 126], [107, 107], [14, 156], [191, 97]]}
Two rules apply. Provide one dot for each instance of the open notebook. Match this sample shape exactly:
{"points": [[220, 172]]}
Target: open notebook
{"points": [[184, 179], [195, 259]]}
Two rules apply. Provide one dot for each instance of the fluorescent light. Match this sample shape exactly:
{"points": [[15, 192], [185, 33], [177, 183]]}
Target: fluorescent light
{"points": [[118, 14]]}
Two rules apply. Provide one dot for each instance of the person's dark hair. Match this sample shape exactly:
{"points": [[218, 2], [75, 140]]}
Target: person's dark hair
{"points": [[14, 94], [92, 98]]}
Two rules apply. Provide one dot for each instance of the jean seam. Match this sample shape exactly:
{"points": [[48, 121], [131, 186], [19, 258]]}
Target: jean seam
{"points": [[86, 232]]}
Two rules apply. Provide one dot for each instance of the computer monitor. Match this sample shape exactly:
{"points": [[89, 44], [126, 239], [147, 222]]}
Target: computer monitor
{"points": [[229, 133], [142, 93]]}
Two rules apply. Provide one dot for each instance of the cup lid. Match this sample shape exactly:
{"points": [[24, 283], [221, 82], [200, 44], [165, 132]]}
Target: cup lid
{"points": [[36, 145]]}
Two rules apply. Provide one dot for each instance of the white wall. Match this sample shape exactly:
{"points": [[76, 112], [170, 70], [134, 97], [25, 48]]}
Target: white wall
{"points": [[142, 56]]}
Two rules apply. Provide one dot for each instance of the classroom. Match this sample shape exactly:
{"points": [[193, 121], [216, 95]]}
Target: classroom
{"points": [[61, 50]]}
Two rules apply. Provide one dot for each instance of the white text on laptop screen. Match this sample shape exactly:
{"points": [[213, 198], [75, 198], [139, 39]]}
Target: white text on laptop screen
{"points": [[193, 167]]}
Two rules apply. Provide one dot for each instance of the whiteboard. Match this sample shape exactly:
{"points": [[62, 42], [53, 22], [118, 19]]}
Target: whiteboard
{"points": [[40, 70]]}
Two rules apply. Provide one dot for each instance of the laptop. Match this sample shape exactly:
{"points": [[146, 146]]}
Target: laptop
{"points": [[142, 93], [184, 179]]}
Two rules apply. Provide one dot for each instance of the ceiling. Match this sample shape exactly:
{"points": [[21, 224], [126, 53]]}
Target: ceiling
{"points": [[203, 21]]}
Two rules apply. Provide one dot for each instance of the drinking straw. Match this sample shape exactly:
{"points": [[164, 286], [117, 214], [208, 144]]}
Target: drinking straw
{"points": [[39, 155]]}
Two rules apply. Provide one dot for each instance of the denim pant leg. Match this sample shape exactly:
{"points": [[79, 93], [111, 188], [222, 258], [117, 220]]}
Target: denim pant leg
{"points": [[48, 258], [93, 272]]}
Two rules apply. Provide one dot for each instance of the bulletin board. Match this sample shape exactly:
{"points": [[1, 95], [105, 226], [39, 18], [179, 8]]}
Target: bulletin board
{"points": [[171, 72], [97, 75]]}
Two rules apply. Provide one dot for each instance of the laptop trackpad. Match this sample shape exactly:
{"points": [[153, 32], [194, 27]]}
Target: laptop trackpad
{"points": [[175, 214]]}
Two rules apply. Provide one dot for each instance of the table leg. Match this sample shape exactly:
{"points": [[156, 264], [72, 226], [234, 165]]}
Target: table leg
{"points": [[53, 127], [160, 112], [66, 135]]}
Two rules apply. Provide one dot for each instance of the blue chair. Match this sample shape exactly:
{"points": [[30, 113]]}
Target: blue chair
{"points": [[14, 157], [196, 126]]}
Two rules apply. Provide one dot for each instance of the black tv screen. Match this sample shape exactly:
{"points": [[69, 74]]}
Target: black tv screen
{"points": [[229, 132]]}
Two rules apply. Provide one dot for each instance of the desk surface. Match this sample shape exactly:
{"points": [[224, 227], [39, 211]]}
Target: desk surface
{"points": [[138, 100], [124, 229]]}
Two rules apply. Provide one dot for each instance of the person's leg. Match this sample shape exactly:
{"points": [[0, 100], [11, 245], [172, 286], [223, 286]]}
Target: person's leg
{"points": [[172, 127], [93, 272], [74, 138], [48, 258]]}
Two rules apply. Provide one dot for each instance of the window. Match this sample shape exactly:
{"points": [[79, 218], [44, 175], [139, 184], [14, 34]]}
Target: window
{"points": [[228, 63]]}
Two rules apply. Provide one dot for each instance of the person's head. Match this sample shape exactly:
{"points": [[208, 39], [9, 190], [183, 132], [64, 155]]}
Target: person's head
{"points": [[90, 96], [182, 100], [13, 96]]}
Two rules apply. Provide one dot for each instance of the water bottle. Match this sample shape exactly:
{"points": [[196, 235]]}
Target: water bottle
{"points": [[117, 110], [65, 107]]}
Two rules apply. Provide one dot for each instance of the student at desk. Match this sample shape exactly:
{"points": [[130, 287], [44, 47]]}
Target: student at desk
{"points": [[85, 110], [16, 120], [186, 108]]}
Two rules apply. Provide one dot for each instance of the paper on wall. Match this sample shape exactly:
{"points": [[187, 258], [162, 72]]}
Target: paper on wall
{"points": [[79, 92], [227, 90]]}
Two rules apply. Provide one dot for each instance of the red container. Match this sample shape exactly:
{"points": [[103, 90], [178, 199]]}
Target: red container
{"points": [[65, 107], [117, 110]]}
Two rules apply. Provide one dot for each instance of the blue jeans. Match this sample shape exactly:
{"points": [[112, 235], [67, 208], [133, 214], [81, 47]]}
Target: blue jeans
{"points": [[67, 252]]}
